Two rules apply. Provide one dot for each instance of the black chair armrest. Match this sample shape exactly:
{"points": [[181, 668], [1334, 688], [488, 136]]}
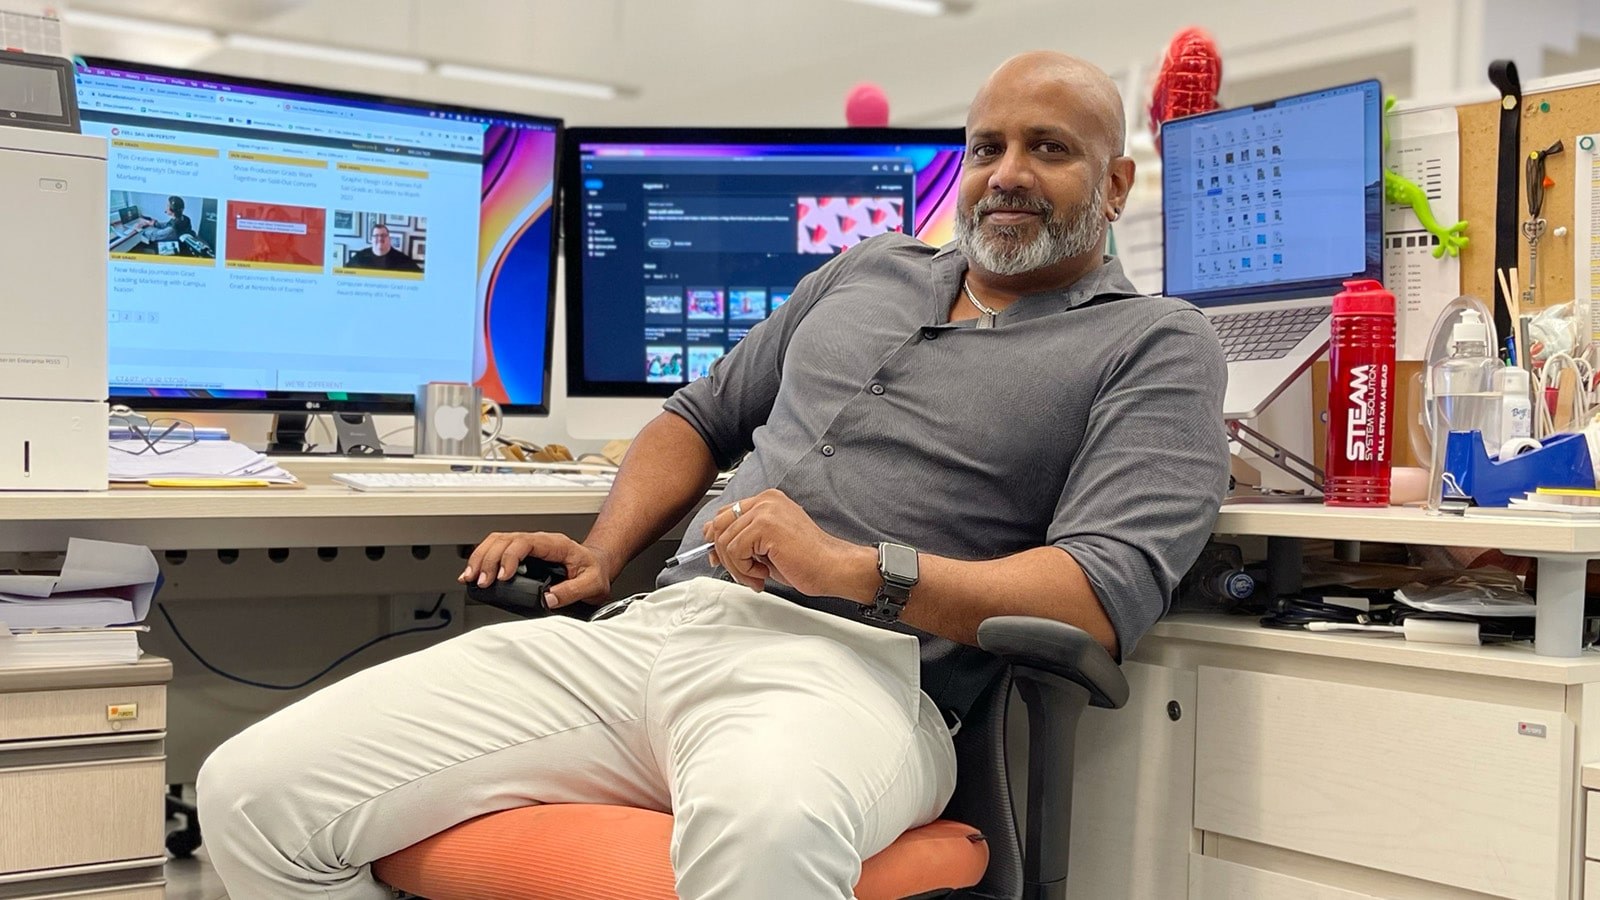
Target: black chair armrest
{"points": [[1060, 649]]}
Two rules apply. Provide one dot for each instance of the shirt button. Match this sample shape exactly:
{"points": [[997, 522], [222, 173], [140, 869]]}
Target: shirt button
{"points": [[877, 389], [827, 449], [929, 334]]}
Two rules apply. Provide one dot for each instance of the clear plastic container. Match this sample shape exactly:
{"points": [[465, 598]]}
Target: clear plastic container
{"points": [[1464, 396]]}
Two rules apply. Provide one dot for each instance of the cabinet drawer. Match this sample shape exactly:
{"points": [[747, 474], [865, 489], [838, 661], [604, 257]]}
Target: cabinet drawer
{"points": [[140, 892], [1217, 879], [1591, 880], [45, 714], [1591, 821], [1408, 783], [84, 811]]}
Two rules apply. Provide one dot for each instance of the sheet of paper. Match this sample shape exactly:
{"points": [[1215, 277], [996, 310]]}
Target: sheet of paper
{"points": [[1424, 147], [125, 571], [133, 461], [1586, 225]]}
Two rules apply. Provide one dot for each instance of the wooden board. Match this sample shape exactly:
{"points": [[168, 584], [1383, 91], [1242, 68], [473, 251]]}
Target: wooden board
{"points": [[1573, 111]]}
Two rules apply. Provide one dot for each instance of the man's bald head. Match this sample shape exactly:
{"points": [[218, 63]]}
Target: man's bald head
{"points": [[1081, 90]]}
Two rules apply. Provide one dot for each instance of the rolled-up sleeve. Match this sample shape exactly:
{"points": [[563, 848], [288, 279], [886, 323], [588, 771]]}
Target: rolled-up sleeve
{"points": [[736, 396], [1144, 489]]}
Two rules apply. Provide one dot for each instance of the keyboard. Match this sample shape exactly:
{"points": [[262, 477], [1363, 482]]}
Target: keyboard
{"points": [[498, 482], [1268, 334]]}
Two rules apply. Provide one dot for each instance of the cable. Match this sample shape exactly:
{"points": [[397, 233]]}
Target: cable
{"points": [[1297, 612], [444, 615]]}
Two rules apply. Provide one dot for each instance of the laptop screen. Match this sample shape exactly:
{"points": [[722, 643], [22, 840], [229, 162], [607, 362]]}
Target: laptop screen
{"points": [[1274, 201]]}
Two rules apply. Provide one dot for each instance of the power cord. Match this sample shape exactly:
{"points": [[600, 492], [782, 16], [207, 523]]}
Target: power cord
{"points": [[444, 621]]}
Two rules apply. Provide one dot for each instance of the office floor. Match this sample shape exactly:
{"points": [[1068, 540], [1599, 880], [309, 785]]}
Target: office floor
{"points": [[193, 879]]}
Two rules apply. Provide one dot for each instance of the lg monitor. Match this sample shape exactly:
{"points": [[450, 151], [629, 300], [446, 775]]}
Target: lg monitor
{"points": [[679, 241], [280, 247]]}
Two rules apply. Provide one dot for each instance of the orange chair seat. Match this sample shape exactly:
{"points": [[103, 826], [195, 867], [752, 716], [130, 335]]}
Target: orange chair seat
{"points": [[592, 852]]}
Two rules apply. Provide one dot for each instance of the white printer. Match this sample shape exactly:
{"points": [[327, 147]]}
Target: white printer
{"points": [[53, 262]]}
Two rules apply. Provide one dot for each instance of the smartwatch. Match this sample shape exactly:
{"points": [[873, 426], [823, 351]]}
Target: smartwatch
{"points": [[897, 566]]}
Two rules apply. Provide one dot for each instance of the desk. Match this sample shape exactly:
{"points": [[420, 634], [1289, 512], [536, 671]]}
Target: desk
{"points": [[1254, 764], [316, 516], [1563, 549]]}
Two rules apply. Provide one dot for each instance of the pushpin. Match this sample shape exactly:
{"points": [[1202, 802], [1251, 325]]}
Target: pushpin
{"points": [[1549, 182], [1561, 231], [1544, 106]]}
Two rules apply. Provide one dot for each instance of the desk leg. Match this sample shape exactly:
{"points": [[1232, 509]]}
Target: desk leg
{"points": [[1558, 616]]}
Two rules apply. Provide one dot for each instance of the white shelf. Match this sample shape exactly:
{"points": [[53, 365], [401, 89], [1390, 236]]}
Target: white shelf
{"points": [[1404, 525], [1518, 660]]}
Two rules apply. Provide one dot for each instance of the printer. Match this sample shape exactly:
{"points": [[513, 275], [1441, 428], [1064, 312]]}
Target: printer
{"points": [[53, 387]]}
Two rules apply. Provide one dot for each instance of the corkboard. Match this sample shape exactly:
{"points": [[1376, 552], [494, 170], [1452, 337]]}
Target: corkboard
{"points": [[1573, 111]]}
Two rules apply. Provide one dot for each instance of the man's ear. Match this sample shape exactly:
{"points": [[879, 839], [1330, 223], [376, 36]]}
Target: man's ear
{"points": [[1119, 177]]}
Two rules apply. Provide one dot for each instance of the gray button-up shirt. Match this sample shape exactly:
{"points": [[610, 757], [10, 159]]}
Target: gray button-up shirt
{"points": [[1087, 419]]}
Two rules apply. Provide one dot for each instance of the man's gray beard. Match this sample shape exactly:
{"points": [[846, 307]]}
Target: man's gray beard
{"points": [[1000, 249]]}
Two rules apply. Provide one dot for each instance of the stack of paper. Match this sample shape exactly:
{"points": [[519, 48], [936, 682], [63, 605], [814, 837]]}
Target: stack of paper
{"points": [[101, 646], [67, 619], [200, 459]]}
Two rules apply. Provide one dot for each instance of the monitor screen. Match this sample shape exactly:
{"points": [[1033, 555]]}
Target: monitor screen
{"points": [[1274, 201], [679, 241], [281, 247]]}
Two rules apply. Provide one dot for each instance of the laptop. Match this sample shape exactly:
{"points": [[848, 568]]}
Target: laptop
{"points": [[1268, 209]]}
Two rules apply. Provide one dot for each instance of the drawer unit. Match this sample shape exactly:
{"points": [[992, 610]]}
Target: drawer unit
{"points": [[1448, 790], [83, 782]]}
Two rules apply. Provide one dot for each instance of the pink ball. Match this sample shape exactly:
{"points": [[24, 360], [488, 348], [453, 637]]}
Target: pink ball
{"points": [[866, 106]]}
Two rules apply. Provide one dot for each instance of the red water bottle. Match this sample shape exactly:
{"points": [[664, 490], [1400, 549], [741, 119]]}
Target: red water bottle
{"points": [[1360, 396]]}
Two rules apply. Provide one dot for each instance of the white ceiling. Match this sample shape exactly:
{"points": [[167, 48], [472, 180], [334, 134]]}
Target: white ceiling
{"points": [[708, 62]]}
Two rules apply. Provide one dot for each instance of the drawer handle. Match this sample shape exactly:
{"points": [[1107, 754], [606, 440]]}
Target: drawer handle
{"points": [[96, 740]]}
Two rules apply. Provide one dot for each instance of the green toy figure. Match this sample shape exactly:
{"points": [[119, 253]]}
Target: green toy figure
{"points": [[1399, 189]]}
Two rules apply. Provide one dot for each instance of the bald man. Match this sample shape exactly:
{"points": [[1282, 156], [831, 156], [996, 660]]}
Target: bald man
{"points": [[929, 437]]}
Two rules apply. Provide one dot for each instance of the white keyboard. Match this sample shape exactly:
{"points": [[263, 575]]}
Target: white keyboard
{"points": [[403, 482]]}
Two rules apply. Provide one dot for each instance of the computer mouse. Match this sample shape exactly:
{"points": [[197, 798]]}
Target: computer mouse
{"points": [[522, 593]]}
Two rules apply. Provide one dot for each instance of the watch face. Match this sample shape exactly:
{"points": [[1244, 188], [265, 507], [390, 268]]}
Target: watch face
{"points": [[898, 562]]}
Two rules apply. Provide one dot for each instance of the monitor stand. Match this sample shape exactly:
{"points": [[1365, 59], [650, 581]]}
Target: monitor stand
{"points": [[288, 433], [357, 435]]}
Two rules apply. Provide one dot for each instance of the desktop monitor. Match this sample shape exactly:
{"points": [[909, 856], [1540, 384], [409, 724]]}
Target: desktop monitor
{"points": [[280, 247], [681, 240]]}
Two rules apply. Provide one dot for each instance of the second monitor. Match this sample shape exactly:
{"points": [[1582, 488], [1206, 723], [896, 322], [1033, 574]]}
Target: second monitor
{"points": [[679, 241]]}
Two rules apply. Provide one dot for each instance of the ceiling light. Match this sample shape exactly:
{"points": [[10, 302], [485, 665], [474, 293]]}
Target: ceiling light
{"points": [[591, 89], [78, 18], [916, 7], [327, 53]]}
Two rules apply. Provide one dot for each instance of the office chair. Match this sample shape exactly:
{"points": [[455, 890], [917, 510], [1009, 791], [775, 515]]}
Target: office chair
{"points": [[977, 851]]}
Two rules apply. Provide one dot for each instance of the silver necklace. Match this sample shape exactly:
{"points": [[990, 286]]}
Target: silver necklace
{"points": [[987, 319]]}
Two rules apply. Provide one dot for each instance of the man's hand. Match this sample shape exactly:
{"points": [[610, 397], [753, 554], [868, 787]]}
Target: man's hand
{"points": [[773, 538], [497, 558]]}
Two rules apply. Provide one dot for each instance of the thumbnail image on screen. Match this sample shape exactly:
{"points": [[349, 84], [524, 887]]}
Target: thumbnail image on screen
{"points": [[167, 228]]}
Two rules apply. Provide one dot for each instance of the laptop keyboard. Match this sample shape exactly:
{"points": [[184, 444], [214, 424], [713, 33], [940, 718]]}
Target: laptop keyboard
{"points": [[1267, 334]]}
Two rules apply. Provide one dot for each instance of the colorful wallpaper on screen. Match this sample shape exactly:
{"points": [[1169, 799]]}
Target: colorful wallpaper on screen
{"points": [[938, 172], [514, 260]]}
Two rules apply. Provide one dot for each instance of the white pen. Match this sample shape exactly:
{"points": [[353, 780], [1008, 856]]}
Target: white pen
{"points": [[689, 555]]}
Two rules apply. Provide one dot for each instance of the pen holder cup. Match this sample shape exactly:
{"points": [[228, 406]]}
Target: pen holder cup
{"points": [[1562, 462]]}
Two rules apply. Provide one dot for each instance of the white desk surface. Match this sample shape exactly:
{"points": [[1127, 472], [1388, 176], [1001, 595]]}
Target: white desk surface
{"points": [[1404, 525], [1516, 661], [314, 516]]}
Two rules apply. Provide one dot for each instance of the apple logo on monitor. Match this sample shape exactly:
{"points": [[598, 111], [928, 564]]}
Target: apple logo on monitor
{"points": [[450, 422]]}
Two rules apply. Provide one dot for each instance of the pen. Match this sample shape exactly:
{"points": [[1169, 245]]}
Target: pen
{"points": [[689, 555]]}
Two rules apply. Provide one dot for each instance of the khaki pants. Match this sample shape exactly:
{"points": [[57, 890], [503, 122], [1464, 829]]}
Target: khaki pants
{"points": [[788, 743]]}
